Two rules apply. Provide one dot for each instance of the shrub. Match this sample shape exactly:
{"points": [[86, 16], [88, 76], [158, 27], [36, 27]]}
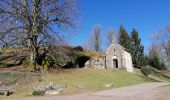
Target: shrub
{"points": [[146, 70], [69, 65], [80, 61], [78, 48], [157, 64], [155, 61], [59, 57]]}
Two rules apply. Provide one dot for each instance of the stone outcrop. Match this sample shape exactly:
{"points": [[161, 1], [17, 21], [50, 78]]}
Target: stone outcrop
{"points": [[98, 63], [48, 90]]}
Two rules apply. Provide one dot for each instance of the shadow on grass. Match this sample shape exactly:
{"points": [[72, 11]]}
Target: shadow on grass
{"points": [[5, 65], [5, 57], [159, 78]]}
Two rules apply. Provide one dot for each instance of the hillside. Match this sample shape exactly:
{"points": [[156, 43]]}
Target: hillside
{"points": [[94, 80], [78, 81]]}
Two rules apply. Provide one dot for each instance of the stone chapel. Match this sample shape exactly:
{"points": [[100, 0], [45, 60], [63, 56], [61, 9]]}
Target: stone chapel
{"points": [[114, 57]]}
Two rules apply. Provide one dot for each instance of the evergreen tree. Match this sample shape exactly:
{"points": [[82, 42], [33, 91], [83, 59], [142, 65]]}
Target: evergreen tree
{"points": [[124, 38], [137, 50]]}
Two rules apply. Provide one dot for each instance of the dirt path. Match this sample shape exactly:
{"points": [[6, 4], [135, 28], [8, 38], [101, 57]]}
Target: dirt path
{"points": [[148, 91]]}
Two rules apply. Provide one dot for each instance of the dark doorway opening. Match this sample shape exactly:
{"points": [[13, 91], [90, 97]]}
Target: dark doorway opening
{"points": [[115, 63]]}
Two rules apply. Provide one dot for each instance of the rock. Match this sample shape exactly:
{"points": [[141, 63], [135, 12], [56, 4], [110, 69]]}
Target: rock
{"points": [[81, 86], [4, 91], [39, 91], [52, 92], [108, 85], [50, 86], [49, 90]]}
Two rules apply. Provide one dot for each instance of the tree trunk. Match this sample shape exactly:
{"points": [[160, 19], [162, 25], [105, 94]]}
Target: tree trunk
{"points": [[35, 57], [33, 52]]}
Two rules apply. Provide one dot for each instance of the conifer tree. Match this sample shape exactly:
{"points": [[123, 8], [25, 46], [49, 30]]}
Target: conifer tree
{"points": [[124, 38], [137, 50]]}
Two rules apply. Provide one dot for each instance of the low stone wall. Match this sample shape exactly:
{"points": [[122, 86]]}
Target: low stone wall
{"points": [[18, 75], [8, 80]]}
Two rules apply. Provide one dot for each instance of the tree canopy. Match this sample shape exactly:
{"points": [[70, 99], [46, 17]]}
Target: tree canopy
{"points": [[124, 38], [34, 23], [137, 50]]}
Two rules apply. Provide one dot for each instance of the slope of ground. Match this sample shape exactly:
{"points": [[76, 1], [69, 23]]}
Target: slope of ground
{"points": [[147, 91], [85, 80], [82, 81]]}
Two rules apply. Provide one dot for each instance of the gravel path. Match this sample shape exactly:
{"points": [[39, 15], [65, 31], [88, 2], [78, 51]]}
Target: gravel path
{"points": [[148, 91]]}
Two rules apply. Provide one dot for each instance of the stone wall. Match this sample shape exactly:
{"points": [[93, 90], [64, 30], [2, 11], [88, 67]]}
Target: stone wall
{"points": [[128, 61]]}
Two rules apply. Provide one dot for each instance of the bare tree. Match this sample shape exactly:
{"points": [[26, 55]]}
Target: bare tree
{"points": [[95, 39], [31, 23], [110, 36], [162, 39]]}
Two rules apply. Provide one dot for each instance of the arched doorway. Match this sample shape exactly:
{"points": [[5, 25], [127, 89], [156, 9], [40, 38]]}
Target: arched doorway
{"points": [[115, 62]]}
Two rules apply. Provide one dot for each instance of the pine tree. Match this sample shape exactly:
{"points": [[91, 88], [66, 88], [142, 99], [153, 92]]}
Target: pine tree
{"points": [[137, 50], [124, 38]]}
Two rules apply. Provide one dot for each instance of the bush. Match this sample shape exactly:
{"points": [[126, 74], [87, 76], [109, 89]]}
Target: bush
{"points": [[146, 70], [80, 61], [66, 58], [69, 65], [155, 61], [78, 48], [157, 64]]}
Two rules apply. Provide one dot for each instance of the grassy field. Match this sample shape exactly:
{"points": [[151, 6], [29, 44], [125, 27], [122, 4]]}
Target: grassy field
{"points": [[88, 80], [81, 81], [159, 78]]}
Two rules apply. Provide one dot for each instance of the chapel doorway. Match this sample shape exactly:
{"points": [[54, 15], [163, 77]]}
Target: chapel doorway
{"points": [[115, 63]]}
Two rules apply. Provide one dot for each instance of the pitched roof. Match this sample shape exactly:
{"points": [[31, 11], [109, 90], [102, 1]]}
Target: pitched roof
{"points": [[115, 43]]}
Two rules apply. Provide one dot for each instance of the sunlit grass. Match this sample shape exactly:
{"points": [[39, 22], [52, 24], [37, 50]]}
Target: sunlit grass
{"points": [[82, 81], [160, 78], [93, 80]]}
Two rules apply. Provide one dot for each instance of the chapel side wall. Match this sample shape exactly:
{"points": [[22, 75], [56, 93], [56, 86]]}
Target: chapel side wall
{"points": [[128, 62]]}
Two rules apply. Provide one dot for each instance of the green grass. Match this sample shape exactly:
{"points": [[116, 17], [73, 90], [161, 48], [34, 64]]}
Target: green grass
{"points": [[160, 78], [93, 80], [3, 65]]}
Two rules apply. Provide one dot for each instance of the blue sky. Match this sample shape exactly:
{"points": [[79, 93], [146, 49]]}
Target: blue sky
{"points": [[147, 16]]}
